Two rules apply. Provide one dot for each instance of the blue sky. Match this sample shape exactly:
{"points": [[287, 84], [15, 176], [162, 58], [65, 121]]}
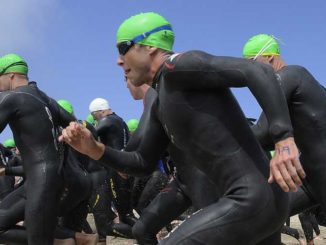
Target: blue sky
{"points": [[70, 45]]}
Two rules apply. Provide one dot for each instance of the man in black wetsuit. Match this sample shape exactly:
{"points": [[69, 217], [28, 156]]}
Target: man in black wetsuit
{"points": [[113, 132], [217, 140], [189, 185], [34, 119], [306, 100], [72, 205]]}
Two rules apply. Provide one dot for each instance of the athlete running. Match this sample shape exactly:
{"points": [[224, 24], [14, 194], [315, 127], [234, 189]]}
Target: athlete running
{"points": [[113, 132], [34, 119], [185, 189], [194, 87], [306, 100]]}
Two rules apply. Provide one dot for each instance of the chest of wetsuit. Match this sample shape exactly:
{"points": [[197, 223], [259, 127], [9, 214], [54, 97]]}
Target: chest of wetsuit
{"points": [[33, 118], [205, 120]]}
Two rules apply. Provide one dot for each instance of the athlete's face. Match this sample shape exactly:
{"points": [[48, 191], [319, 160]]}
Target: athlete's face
{"points": [[136, 64]]}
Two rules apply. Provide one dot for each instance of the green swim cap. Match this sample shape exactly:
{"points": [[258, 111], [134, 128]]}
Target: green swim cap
{"points": [[90, 119], [148, 29], [132, 125], [9, 143], [13, 63], [261, 44], [65, 104]]}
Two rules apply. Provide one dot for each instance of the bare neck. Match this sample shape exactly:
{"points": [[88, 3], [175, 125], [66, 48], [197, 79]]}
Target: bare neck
{"points": [[158, 60], [18, 81], [278, 63]]}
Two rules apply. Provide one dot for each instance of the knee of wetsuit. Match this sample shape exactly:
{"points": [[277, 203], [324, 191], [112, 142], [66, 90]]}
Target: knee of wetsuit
{"points": [[129, 219], [141, 234]]}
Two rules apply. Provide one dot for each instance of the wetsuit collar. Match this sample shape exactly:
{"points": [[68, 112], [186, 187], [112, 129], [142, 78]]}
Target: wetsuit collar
{"points": [[158, 74], [32, 83]]}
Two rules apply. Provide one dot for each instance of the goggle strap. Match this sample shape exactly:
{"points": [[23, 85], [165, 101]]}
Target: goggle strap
{"points": [[146, 34]]}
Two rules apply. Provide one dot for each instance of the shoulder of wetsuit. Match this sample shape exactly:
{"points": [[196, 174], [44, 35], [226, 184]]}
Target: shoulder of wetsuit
{"points": [[6, 95], [294, 71], [182, 60], [105, 122]]}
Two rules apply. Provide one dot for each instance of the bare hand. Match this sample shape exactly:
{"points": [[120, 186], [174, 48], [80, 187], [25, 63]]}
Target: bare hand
{"points": [[285, 166], [81, 139]]}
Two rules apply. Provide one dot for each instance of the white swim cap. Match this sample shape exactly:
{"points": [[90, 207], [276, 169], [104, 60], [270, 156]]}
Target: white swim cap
{"points": [[99, 104]]}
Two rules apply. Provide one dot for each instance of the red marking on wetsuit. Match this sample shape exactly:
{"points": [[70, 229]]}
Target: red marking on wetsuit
{"points": [[169, 66]]}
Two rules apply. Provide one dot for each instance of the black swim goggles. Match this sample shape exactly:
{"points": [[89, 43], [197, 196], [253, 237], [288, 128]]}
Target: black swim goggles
{"points": [[124, 47], [19, 63]]}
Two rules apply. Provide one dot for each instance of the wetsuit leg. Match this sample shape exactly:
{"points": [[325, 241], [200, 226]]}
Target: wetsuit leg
{"points": [[300, 201], [12, 211], [287, 230], [100, 204], [64, 233], [43, 186], [121, 193], [6, 185], [166, 206], [17, 235], [320, 216], [315, 180], [155, 184], [75, 219], [274, 239], [216, 223], [86, 227], [137, 189], [305, 221], [314, 223]]}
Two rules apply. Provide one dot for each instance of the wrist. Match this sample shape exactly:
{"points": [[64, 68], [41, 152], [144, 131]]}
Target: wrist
{"points": [[97, 151]]}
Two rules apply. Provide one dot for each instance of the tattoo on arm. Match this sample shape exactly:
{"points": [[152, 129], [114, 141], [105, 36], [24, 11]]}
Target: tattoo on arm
{"points": [[284, 149]]}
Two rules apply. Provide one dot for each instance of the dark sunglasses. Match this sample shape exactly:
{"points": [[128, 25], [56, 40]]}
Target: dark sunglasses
{"points": [[11, 65], [124, 47]]}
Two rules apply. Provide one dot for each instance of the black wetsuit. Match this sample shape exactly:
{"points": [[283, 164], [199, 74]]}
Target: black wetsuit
{"points": [[189, 187], [6, 182], [197, 113], [309, 224], [72, 206], [113, 132], [145, 189], [34, 119], [306, 100]]}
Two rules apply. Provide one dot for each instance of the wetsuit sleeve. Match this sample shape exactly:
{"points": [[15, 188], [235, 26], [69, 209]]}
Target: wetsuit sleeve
{"points": [[6, 109], [260, 130], [199, 70], [15, 171], [136, 137], [144, 160]]}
